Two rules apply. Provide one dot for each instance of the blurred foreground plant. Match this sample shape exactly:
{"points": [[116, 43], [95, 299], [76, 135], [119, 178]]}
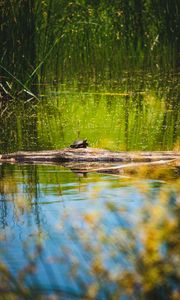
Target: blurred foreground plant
{"points": [[108, 253], [122, 254]]}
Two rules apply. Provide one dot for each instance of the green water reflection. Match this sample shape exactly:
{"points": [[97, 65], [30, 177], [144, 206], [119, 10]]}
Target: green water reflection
{"points": [[141, 111]]}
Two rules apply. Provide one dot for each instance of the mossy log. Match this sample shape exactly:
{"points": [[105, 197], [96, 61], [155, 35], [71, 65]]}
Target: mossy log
{"points": [[94, 159]]}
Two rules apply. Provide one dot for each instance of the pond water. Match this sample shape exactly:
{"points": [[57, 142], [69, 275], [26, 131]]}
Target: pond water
{"points": [[99, 235], [139, 112]]}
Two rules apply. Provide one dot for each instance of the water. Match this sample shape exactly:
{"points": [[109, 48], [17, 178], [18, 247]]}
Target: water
{"points": [[99, 235], [138, 112], [67, 236], [62, 233]]}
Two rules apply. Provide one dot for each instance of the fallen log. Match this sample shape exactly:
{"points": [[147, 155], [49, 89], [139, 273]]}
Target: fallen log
{"points": [[89, 155], [93, 159]]}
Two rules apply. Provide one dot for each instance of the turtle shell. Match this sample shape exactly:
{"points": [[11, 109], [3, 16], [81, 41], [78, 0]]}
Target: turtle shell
{"points": [[79, 144]]}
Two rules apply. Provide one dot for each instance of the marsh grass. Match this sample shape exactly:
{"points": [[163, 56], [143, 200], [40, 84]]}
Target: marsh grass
{"points": [[58, 41]]}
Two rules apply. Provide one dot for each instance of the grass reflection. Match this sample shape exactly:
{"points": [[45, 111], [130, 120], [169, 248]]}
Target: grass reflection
{"points": [[110, 250], [131, 115]]}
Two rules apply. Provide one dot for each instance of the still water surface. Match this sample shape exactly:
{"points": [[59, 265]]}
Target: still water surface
{"points": [[102, 235], [56, 220], [139, 112]]}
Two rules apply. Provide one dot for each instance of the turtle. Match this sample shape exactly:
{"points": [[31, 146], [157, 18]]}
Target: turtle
{"points": [[79, 144]]}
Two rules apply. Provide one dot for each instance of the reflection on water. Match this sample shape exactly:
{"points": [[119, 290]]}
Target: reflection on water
{"points": [[140, 111], [102, 236], [99, 236]]}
